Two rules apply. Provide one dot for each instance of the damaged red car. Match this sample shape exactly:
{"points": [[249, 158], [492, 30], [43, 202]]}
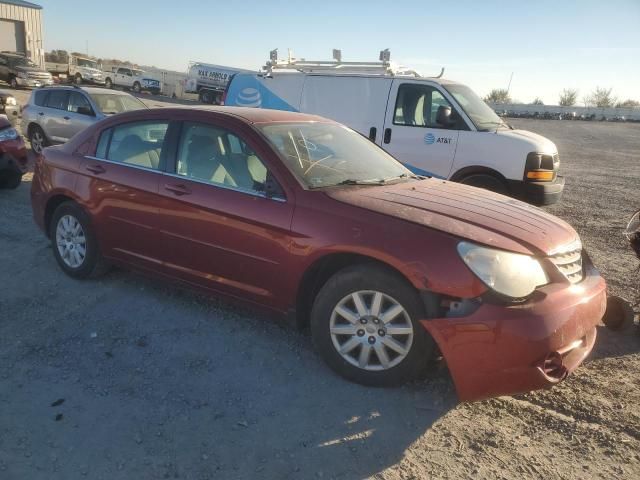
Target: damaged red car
{"points": [[304, 216]]}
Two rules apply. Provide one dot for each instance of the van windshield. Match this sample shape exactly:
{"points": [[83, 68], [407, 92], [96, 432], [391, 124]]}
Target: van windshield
{"points": [[481, 114], [327, 154]]}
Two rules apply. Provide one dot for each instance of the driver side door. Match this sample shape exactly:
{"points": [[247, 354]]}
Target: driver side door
{"points": [[411, 131]]}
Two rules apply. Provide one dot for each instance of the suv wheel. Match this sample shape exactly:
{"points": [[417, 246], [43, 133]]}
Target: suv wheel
{"points": [[74, 242], [364, 323], [486, 181], [38, 139]]}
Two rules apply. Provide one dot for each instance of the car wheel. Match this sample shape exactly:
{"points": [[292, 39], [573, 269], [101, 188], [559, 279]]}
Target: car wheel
{"points": [[74, 242], [10, 180], [108, 83], [136, 87], [38, 139], [13, 83], [365, 324], [78, 79], [486, 181]]}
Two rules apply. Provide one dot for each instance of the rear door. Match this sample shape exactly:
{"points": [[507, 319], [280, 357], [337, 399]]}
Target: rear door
{"points": [[54, 115], [121, 184], [219, 229], [358, 102], [411, 132]]}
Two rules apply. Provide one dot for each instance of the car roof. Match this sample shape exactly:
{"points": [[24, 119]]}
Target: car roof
{"points": [[88, 90], [248, 114]]}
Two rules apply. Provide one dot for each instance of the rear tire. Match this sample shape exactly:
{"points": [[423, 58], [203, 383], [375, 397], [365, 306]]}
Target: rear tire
{"points": [[74, 243], [137, 88], [13, 82], [371, 354], [486, 181], [108, 83], [38, 139], [78, 79]]}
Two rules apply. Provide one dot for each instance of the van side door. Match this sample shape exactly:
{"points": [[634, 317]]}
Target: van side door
{"points": [[413, 133], [358, 102]]}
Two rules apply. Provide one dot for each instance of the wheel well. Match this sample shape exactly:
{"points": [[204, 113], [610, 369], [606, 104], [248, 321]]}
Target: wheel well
{"points": [[322, 270], [475, 170], [52, 204]]}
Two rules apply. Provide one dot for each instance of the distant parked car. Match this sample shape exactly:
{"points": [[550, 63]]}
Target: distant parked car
{"points": [[9, 106], [302, 215], [13, 155], [18, 71], [55, 114], [132, 79]]}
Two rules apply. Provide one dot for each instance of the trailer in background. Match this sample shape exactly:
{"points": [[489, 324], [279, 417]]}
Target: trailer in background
{"points": [[209, 81]]}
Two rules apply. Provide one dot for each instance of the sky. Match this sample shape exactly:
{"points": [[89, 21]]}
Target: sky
{"points": [[547, 45]]}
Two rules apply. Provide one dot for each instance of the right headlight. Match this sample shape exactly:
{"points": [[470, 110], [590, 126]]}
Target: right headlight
{"points": [[511, 274]]}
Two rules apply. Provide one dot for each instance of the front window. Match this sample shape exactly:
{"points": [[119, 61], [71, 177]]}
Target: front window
{"points": [[137, 73], [481, 114], [84, 62], [417, 106], [22, 62], [325, 154], [110, 103]]}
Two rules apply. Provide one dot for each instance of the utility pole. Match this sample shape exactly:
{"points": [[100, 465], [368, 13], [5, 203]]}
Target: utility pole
{"points": [[509, 86]]}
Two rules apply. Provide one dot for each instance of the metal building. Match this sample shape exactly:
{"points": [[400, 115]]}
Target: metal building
{"points": [[21, 29]]}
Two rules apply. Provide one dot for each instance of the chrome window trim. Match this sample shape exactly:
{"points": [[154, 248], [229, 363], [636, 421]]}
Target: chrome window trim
{"points": [[183, 177]]}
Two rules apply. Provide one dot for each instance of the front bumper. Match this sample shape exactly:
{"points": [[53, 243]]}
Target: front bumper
{"points": [[33, 82], [505, 350], [538, 193]]}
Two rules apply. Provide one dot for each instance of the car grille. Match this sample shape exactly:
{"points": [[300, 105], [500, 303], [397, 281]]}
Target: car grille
{"points": [[569, 264], [39, 76]]}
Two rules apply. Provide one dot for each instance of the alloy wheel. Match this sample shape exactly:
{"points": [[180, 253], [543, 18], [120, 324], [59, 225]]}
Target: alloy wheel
{"points": [[371, 330], [71, 241], [37, 141]]}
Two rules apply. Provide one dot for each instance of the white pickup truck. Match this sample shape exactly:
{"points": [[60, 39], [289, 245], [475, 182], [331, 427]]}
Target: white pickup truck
{"points": [[132, 79]]}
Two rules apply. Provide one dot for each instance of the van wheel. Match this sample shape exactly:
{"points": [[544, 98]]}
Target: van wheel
{"points": [[365, 324], [74, 242], [486, 181]]}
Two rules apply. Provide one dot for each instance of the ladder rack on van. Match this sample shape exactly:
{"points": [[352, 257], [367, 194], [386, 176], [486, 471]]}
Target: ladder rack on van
{"points": [[384, 67]]}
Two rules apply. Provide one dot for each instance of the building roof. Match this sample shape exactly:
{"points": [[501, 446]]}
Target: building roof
{"points": [[20, 3]]}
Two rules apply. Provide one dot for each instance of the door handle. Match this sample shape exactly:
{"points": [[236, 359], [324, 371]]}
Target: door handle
{"points": [[373, 131], [177, 189], [97, 169], [387, 135]]}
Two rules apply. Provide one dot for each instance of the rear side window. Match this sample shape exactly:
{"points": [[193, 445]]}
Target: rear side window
{"points": [[40, 97], [58, 99], [135, 143]]}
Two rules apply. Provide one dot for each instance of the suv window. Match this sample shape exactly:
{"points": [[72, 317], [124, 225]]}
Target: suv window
{"points": [[417, 106], [77, 100], [217, 156], [40, 97], [57, 99], [135, 143]]}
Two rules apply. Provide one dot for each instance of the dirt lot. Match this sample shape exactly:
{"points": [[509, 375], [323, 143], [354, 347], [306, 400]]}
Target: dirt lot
{"points": [[163, 383]]}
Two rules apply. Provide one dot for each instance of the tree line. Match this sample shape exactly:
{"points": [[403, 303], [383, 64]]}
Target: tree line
{"points": [[600, 97]]}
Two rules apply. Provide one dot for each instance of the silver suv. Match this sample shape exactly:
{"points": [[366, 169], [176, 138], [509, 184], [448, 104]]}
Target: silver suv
{"points": [[55, 114]]}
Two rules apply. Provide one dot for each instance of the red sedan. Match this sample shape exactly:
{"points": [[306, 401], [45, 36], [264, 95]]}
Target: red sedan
{"points": [[303, 216], [13, 155]]}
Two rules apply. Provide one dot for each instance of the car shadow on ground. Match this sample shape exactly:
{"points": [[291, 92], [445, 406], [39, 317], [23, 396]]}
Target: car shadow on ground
{"points": [[163, 381], [616, 343]]}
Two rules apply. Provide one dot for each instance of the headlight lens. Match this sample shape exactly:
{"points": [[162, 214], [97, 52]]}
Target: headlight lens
{"points": [[8, 134], [510, 274], [10, 101]]}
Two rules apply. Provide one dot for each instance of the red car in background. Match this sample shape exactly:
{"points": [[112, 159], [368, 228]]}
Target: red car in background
{"points": [[301, 215], [13, 155]]}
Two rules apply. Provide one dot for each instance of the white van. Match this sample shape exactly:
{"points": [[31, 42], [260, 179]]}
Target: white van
{"points": [[436, 127]]}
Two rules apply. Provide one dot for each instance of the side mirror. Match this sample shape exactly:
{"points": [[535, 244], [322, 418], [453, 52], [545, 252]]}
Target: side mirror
{"points": [[443, 117], [272, 188], [84, 110]]}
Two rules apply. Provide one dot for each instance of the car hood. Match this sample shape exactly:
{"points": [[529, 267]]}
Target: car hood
{"points": [[21, 68], [466, 212], [537, 143]]}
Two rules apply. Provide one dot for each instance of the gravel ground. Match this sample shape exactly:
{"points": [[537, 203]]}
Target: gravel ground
{"points": [[128, 377]]}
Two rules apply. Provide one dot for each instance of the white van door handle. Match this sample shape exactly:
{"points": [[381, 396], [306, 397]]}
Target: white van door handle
{"points": [[373, 131], [387, 135]]}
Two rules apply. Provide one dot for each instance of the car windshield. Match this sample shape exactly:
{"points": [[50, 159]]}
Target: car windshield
{"points": [[83, 62], [23, 61], [481, 114], [325, 154], [110, 103]]}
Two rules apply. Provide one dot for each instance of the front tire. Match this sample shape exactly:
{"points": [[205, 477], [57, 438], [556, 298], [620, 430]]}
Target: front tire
{"points": [[137, 88], [37, 139], [78, 79], [108, 83], [365, 324], [75, 246], [13, 82], [486, 181], [10, 180]]}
